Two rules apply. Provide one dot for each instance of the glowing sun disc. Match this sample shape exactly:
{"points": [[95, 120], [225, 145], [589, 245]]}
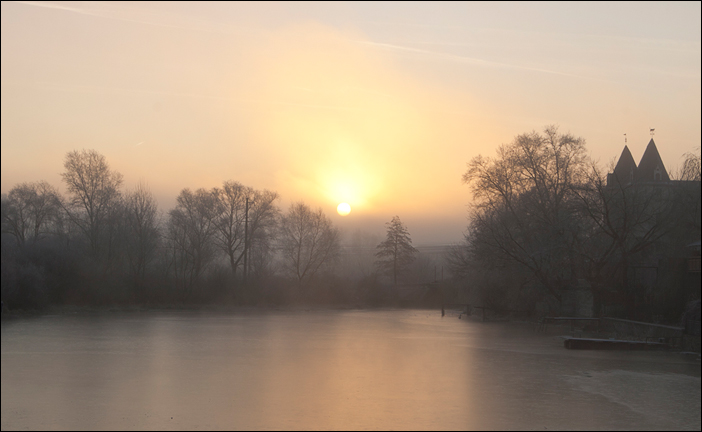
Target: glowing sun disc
{"points": [[343, 209]]}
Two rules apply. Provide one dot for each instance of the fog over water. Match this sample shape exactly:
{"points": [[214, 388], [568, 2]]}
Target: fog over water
{"points": [[351, 369]]}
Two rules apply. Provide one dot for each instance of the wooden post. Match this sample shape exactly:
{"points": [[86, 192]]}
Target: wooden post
{"points": [[443, 299], [246, 241]]}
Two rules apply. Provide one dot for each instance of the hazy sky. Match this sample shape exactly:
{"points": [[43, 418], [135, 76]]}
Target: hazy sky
{"points": [[380, 105]]}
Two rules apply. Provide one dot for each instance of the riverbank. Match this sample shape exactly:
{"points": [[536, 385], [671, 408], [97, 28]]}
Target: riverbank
{"points": [[221, 308], [615, 329]]}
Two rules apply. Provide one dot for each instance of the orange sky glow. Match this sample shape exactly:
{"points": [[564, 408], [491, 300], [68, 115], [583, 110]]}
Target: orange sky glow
{"points": [[377, 105]]}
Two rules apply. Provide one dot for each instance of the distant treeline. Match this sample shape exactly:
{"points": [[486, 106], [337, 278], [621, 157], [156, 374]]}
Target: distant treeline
{"points": [[549, 233], [102, 245]]}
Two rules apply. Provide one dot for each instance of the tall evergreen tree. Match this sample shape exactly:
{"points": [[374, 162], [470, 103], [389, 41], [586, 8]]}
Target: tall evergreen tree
{"points": [[396, 252]]}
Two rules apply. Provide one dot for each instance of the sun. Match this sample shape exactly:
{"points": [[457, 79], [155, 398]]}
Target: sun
{"points": [[343, 209]]}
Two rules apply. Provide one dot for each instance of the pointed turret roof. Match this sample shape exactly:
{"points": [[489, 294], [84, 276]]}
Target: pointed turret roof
{"points": [[651, 165], [626, 167]]}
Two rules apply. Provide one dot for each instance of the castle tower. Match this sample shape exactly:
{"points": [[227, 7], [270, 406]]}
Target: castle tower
{"points": [[651, 166], [625, 171]]}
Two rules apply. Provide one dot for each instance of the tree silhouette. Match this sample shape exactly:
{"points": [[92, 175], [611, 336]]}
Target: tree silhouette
{"points": [[229, 221], [191, 231], [308, 241], [142, 231], [396, 252], [32, 212], [240, 208], [525, 210], [95, 194]]}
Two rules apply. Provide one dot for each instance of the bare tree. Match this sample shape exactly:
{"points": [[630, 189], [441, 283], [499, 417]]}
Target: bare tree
{"points": [[141, 213], [262, 223], [691, 169], [94, 190], [524, 206], [395, 253], [191, 233], [245, 220], [308, 241], [230, 220], [33, 211]]}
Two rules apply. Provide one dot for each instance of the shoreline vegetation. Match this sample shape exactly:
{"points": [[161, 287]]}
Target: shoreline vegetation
{"points": [[72, 309], [217, 308], [560, 243]]}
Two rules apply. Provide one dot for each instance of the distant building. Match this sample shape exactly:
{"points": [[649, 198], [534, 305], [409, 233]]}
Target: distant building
{"points": [[650, 168], [644, 196]]}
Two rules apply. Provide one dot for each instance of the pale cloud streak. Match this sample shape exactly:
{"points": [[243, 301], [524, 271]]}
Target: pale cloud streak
{"points": [[137, 15], [47, 5], [468, 60]]}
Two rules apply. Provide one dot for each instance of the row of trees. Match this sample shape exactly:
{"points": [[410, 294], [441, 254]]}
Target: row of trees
{"points": [[102, 245], [544, 221]]}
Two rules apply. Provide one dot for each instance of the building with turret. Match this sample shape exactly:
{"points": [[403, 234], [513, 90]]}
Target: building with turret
{"points": [[657, 220], [649, 169]]}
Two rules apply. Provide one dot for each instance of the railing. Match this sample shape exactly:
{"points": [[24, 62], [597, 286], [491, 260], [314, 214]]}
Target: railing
{"points": [[622, 329], [543, 323]]}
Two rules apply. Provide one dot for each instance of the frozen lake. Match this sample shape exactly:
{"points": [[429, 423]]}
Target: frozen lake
{"points": [[328, 370]]}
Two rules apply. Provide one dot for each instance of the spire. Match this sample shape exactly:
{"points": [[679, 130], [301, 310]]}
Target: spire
{"points": [[651, 166], [626, 167]]}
